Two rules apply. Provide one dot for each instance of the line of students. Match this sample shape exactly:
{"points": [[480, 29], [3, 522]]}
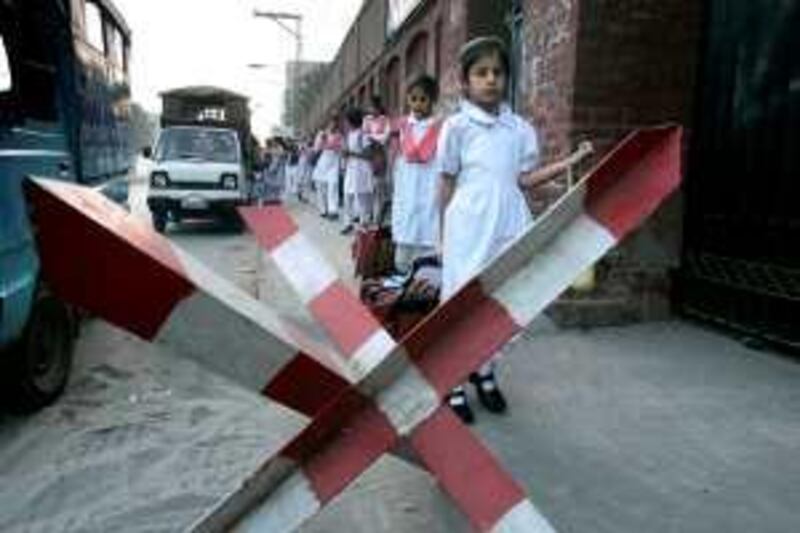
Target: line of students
{"points": [[351, 160], [283, 169], [457, 182]]}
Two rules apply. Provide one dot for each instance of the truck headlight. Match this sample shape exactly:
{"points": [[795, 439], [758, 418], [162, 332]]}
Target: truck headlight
{"points": [[159, 180], [230, 181]]}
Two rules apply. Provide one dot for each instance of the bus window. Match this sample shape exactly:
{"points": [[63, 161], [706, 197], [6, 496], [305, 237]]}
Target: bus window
{"points": [[94, 26], [5, 68], [126, 57], [117, 51]]}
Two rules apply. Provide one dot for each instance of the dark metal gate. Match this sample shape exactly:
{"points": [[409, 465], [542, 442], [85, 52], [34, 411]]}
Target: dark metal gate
{"points": [[741, 264]]}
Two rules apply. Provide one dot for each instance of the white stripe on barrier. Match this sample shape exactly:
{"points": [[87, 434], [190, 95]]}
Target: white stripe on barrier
{"points": [[205, 329], [208, 323], [546, 228], [371, 353], [308, 271], [286, 509], [256, 487], [523, 517], [408, 400], [532, 289]]}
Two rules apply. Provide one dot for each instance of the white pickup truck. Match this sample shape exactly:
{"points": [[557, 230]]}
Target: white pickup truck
{"points": [[197, 172]]}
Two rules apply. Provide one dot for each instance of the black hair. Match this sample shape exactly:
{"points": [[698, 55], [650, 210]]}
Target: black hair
{"points": [[333, 120], [355, 117], [480, 47], [377, 103], [427, 84]]}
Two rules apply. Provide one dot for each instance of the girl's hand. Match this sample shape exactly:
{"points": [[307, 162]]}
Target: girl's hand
{"points": [[585, 149]]}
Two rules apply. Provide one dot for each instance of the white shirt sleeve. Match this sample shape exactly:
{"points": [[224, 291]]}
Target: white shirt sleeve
{"points": [[449, 147], [529, 147]]}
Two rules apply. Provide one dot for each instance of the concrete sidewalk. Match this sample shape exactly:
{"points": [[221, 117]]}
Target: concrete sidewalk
{"points": [[661, 427]]}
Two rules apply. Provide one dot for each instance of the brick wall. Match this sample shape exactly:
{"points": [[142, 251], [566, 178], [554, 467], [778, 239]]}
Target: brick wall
{"points": [[547, 83], [591, 69], [454, 35], [368, 55], [372, 32], [635, 64], [549, 71]]}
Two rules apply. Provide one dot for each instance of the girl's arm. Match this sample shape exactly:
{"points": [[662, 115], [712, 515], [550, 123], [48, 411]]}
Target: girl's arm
{"points": [[547, 173], [447, 185]]}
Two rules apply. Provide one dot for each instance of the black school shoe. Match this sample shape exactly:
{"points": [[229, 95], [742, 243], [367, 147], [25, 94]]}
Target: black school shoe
{"points": [[489, 393], [458, 403]]}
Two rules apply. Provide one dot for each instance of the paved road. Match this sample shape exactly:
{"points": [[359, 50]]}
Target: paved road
{"points": [[658, 428]]}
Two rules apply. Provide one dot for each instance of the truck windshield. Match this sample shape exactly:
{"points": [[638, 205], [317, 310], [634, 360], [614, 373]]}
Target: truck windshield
{"points": [[198, 144]]}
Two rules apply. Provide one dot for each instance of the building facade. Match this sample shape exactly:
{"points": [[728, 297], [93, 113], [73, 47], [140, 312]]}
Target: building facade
{"points": [[303, 80], [595, 69]]}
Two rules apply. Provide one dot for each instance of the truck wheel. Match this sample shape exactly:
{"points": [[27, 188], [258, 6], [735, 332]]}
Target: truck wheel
{"points": [[159, 221], [41, 360], [233, 221]]}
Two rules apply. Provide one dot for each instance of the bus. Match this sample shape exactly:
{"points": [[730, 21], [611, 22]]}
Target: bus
{"points": [[64, 113]]}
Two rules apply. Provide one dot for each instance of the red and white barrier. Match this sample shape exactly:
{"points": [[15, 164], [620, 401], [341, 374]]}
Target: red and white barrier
{"points": [[407, 385], [97, 256], [396, 392], [340, 312], [358, 335]]}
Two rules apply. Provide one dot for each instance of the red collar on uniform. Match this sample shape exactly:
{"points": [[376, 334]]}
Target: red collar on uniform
{"points": [[423, 150]]}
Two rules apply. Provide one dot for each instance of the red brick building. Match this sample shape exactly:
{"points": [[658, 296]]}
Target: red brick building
{"points": [[594, 69]]}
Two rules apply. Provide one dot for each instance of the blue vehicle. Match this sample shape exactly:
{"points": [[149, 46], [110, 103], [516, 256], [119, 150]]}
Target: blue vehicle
{"points": [[64, 109]]}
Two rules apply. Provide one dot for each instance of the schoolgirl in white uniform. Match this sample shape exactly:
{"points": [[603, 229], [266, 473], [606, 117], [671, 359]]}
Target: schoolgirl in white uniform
{"points": [[486, 154], [358, 180], [415, 209], [326, 171], [377, 126], [304, 169], [292, 173], [378, 129]]}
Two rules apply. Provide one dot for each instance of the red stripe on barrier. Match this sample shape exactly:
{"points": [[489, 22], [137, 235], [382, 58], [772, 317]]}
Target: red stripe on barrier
{"points": [[325, 426], [632, 181], [271, 225], [129, 274], [305, 385], [356, 446], [465, 469], [345, 319], [470, 324]]}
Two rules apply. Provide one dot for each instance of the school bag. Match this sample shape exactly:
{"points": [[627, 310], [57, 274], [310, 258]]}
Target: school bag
{"points": [[401, 302], [372, 249]]}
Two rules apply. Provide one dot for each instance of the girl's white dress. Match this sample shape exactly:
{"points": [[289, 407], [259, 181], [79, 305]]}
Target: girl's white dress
{"points": [[486, 153], [358, 171], [327, 168], [415, 206]]}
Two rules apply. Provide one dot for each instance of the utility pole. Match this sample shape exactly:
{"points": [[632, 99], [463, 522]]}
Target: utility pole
{"points": [[297, 32]]}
